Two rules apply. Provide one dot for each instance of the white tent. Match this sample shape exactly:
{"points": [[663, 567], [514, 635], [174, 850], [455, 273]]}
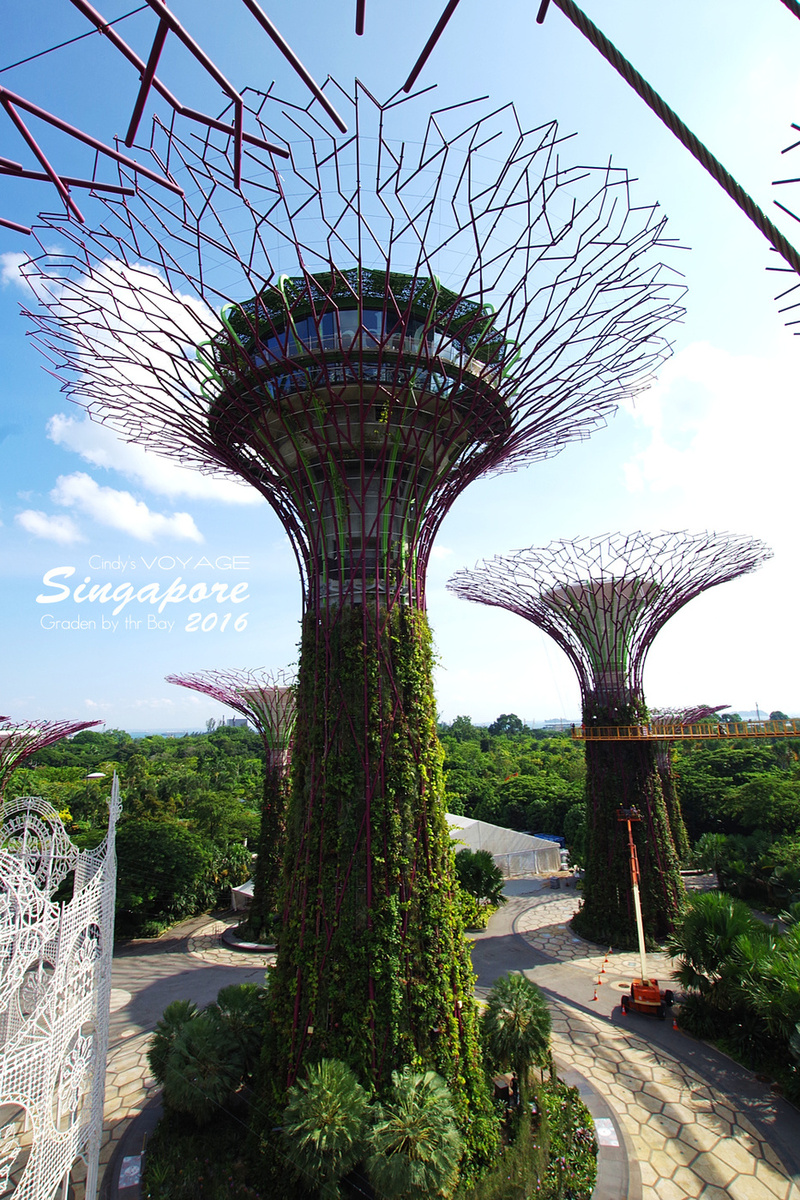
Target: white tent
{"points": [[242, 896], [515, 853]]}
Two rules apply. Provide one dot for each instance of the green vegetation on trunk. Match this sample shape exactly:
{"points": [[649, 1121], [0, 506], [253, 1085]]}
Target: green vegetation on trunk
{"points": [[372, 964], [623, 775]]}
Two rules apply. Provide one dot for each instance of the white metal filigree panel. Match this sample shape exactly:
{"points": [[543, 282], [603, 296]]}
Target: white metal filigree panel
{"points": [[55, 990]]}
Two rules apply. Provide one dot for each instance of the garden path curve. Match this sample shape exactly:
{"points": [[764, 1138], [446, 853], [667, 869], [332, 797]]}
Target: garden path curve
{"points": [[694, 1124]]}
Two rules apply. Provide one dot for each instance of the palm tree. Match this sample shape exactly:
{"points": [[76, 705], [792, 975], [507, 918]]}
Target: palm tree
{"points": [[204, 1069], [325, 1125], [516, 1025], [241, 1010], [175, 1016], [416, 1146], [704, 940]]}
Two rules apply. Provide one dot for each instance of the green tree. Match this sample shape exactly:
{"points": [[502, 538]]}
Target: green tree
{"points": [[326, 1125], [506, 725], [161, 864], [241, 1010], [175, 1016], [415, 1144], [704, 939], [480, 875], [204, 1068], [516, 1026]]}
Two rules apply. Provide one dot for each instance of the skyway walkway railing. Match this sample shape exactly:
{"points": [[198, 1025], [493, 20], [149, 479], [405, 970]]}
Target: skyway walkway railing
{"points": [[705, 730]]}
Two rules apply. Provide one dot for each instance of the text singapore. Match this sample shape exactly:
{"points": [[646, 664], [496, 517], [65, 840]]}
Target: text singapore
{"points": [[122, 594]]}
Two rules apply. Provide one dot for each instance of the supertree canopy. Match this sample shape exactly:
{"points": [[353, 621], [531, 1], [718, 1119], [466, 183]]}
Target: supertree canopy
{"points": [[603, 600], [659, 719], [18, 742], [267, 698], [359, 335]]}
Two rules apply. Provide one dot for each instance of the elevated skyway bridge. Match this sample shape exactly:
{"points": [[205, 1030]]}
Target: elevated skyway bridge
{"points": [[702, 731]]}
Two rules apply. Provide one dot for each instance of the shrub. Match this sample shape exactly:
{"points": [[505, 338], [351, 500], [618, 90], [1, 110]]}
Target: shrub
{"points": [[325, 1125], [479, 875], [204, 1068], [415, 1144]]}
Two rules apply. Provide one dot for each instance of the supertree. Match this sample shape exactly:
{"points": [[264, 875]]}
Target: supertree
{"points": [[603, 600], [267, 698], [659, 719], [398, 319], [18, 742]]}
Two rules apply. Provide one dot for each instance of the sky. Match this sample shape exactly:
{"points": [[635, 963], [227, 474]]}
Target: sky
{"points": [[711, 445]]}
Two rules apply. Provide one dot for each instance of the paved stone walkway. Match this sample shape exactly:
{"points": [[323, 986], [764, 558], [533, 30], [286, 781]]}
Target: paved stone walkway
{"points": [[207, 945], [688, 1139]]}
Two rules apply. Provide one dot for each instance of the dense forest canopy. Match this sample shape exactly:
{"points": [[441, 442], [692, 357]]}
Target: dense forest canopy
{"points": [[191, 804]]}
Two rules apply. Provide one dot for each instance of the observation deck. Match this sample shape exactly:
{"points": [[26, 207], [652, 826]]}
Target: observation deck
{"points": [[359, 393], [703, 731]]}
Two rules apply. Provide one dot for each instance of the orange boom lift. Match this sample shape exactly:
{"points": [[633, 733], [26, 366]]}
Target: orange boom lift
{"points": [[646, 996]]}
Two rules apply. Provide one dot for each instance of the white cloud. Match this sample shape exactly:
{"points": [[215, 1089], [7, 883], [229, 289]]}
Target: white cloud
{"points": [[102, 447], [55, 529], [121, 510], [10, 273], [723, 435]]}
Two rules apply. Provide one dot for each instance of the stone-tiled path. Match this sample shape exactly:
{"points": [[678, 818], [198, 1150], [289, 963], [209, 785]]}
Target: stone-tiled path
{"points": [[207, 945], [688, 1139]]}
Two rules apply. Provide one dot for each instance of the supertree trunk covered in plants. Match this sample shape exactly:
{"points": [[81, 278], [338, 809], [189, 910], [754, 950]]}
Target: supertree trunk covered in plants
{"points": [[676, 716], [603, 600], [18, 742], [359, 335], [267, 698]]}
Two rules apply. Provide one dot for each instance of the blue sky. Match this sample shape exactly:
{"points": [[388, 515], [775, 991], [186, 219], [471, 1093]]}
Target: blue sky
{"points": [[711, 445]]}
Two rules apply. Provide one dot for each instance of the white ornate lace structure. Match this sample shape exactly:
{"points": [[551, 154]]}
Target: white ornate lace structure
{"points": [[55, 986]]}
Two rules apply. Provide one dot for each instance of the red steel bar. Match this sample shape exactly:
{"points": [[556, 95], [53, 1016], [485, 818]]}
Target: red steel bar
{"points": [[52, 174], [71, 181], [292, 58], [192, 114], [147, 80], [430, 44], [79, 135]]}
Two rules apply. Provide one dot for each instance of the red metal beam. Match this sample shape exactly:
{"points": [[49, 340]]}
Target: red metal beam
{"points": [[292, 59], [148, 76], [190, 113], [10, 98]]}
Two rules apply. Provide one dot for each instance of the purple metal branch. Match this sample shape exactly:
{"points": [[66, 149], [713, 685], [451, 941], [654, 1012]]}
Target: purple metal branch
{"points": [[92, 184], [294, 61], [439, 29], [19, 742], [190, 113], [360, 12], [13, 225], [148, 75], [603, 600], [11, 99], [51, 173]]}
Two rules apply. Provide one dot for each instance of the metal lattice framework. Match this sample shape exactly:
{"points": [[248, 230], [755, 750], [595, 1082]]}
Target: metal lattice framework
{"points": [[149, 81], [268, 699], [359, 337], [55, 988], [379, 326], [604, 599], [19, 742]]}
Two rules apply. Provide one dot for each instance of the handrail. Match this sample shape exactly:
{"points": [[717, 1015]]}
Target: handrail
{"points": [[704, 730]]}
